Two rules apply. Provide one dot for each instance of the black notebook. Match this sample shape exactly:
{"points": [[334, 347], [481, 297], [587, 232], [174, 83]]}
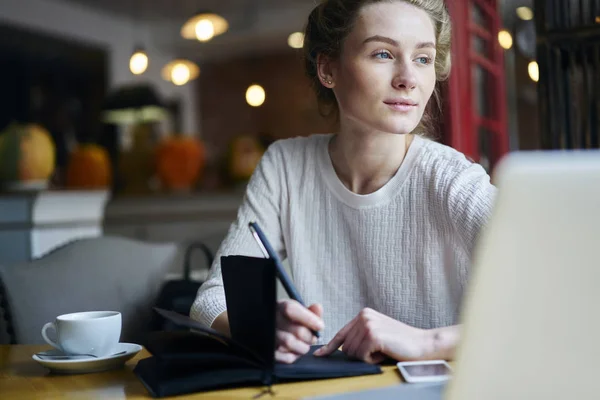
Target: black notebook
{"points": [[203, 359]]}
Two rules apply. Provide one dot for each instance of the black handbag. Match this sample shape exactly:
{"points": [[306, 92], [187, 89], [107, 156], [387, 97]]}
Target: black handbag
{"points": [[179, 295]]}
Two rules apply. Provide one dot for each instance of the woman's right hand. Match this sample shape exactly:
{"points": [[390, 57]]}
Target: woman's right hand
{"points": [[293, 331]]}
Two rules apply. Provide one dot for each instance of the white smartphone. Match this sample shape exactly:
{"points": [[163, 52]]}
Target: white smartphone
{"points": [[425, 371]]}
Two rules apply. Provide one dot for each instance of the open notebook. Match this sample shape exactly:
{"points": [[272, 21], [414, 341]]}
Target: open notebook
{"points": [[203, 359]]}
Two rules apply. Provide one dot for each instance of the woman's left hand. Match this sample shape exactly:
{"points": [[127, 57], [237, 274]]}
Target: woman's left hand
{"points": [[372, 336]]}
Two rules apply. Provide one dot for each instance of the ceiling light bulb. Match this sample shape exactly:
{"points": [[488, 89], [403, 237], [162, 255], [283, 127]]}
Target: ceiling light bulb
{"points": [[296, 40], [505, 39], [205, 30], [255, 95], [534, 71], [138, 63], [204, 26], [180, 71], [180, 75], [525, 13]]}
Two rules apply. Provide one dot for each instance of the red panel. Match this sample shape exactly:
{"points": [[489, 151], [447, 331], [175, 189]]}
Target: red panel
{"points": [[463, 123], [460, 110], [489, 7], [490, 65], [500, 142], [479, 31], [489, 124]]}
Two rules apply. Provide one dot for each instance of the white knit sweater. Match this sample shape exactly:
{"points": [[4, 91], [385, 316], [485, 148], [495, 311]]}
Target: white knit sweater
{"points": [[403, 250]]}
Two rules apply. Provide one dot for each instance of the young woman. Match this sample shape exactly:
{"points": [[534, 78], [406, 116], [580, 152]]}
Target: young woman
{"points": [[377, 221]]}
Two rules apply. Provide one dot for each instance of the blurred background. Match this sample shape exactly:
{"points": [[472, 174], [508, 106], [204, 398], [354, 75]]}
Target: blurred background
{"points": [[145, 119]]}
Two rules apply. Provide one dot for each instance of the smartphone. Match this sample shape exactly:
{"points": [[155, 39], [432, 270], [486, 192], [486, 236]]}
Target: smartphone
{"points": [[425, 371]]}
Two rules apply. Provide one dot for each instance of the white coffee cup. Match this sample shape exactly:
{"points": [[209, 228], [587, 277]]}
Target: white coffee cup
{"points": [[94, 332]]}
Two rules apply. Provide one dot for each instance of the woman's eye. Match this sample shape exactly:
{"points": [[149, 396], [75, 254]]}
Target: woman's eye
{"points": [[424, 60], [384, 55]]}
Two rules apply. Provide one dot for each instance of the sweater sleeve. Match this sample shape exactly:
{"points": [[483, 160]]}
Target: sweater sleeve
{"points": [[262, 203], [470, 198]]}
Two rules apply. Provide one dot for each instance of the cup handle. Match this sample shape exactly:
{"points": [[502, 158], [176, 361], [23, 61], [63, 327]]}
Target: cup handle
{"points": [[45, 336]]}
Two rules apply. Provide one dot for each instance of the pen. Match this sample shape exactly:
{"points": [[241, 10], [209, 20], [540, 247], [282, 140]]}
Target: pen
{"points": [[268, 251]]}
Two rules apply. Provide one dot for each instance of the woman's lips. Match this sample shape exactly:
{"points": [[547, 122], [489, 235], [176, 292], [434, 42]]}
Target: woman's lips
{"points": [[402, 106]]}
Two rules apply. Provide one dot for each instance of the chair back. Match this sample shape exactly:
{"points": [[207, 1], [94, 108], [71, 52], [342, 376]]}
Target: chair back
{"points": [[104, 273]]}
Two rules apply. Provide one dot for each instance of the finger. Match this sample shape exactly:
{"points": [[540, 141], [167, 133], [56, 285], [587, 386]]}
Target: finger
{"points": [[353, 340], [377, 357], [317, 309], [291, 343], [285, 356], [295, 312], [301, 332], [337, 340], [364, 351], [369, 351]]}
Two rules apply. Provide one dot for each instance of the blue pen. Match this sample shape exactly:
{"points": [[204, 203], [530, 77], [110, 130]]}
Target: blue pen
{"points": [[268, 251]]}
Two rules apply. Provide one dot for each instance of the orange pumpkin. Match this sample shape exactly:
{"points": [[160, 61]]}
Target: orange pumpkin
{"points": [[89, 168], [179, 161], [27, 154]]}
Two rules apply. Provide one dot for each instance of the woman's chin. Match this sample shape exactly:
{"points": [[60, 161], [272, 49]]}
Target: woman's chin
{"points": [[400, 129], [394, 126]]}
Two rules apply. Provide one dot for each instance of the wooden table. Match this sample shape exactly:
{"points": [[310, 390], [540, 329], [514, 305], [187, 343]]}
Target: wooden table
{"points": [[23, 378]]}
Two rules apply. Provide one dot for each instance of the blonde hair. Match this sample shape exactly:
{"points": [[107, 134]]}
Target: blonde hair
{"points": [[331, 22]]}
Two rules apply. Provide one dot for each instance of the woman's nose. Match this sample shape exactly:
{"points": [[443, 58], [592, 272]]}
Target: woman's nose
{"points": [[405, 77]]}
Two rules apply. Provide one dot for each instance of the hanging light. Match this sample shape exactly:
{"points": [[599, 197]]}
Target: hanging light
{"points": [[204, 26], [525, 13], [180, 72], [138, 63], [505, 39], [255, 95], [534, 71], [205, 30], [296, 40]]}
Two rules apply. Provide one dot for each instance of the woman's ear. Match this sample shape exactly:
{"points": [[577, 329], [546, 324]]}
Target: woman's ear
{"points": [[326, 71]]}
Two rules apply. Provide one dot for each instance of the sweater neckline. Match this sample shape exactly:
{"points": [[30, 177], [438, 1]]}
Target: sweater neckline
{"points": [[381, 196]]}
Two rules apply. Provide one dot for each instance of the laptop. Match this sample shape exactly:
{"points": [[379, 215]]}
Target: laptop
{"points": [[531, 319]]}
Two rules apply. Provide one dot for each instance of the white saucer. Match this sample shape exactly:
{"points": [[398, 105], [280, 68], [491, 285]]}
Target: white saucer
{"points": [[88, 365]]}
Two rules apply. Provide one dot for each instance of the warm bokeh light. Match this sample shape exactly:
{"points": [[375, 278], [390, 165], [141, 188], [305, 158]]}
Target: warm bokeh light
{"points": [[505, 39], [205, 30], [534, 71], [180, 71], [138, 63], [525, 13], [255, 95], [180, 74], [296, 40], [204, 27]]}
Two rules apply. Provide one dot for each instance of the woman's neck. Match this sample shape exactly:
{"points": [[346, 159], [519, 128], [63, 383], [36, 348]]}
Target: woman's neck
{"points": [[365, 162]]}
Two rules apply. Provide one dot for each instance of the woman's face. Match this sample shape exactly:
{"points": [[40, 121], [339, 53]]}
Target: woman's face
{"points": [[385, 74]]}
